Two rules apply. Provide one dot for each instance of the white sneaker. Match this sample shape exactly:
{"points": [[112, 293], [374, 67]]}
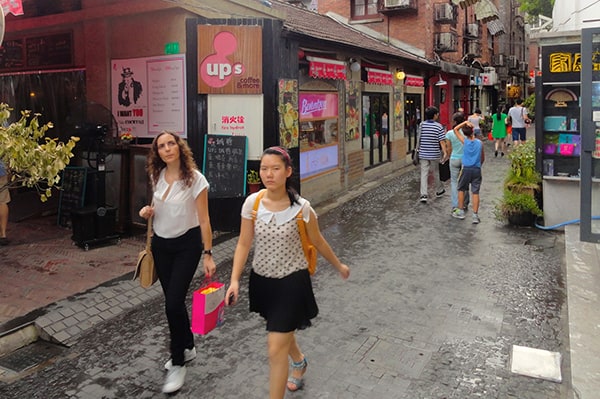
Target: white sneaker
{"points": [[175, 379], [188, 355]]}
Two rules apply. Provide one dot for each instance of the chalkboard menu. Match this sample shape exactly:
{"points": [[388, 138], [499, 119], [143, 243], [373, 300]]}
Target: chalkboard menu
{"points": [[54, 50], [225, 165], [12, 55], [72, 193], [50, 50]]}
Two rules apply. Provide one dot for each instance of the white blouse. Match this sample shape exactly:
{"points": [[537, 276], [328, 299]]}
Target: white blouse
{"points": [[277, 243], [177, 213]]}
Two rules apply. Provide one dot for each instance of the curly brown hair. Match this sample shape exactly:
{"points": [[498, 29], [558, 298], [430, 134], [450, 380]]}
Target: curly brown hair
{"points": [[154, 164]]}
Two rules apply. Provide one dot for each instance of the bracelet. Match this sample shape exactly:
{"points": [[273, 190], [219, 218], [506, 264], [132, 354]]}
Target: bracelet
{"points": [[207, 252]]}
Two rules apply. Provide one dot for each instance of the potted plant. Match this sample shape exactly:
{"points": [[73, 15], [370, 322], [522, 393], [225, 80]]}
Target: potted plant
{"points": [[522, 175], [253, 180], [519, 209], [519, 205]]}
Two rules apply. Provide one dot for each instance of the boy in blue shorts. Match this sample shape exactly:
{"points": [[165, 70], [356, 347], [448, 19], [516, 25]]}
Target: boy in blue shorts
{"points": [[470, 173]]}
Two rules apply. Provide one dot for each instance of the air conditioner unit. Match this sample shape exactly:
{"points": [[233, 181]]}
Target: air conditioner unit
{"points": [[444, 12], [397, 3], [473, 30], [513, 62], [473, 47], [445, 41], [499, 60]]}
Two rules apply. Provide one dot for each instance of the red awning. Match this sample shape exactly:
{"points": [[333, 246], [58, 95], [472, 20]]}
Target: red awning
{"points": [[413, 80], [326, 69], [379, 77]]}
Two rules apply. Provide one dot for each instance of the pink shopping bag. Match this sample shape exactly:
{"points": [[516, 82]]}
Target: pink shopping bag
{"points": [[208, 305]]}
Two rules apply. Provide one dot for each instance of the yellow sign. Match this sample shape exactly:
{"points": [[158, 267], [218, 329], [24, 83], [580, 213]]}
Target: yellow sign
{"points": [[570, 62], [513, 91]]}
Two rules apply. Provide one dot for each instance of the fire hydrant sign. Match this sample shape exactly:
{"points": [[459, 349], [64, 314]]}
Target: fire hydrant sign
{"points": [[238, 115], [148, 95]]}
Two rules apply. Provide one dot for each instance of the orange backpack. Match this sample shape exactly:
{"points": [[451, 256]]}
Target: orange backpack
{"points": [[310, 252]]}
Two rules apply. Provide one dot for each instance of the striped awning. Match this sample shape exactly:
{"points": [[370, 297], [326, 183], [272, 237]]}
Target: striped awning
{"points": [[464, 3], [485, 11], [496, 27]]}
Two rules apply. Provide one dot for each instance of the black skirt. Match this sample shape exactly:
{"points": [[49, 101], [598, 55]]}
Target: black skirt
{"points": [[287, 303]]}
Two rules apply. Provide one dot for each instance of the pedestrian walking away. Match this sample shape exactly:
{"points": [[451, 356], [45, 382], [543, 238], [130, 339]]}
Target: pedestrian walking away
{"points": [[499, 132], [455, 148], [475, 119], [470, 174], [519, 118], [280, 286], [432, 152], [181, 225], [4, 200]]}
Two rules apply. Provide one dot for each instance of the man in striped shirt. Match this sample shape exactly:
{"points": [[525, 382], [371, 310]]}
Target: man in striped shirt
{"points": [[432, 151]]}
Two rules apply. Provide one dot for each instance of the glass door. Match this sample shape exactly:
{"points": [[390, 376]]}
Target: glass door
{"points": [[375, 129]]}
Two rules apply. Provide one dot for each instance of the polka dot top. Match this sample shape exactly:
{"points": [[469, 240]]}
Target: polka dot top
{"points": [[277, 243]]}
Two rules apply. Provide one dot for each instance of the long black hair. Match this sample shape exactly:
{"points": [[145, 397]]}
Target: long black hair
{"points": [[499, 113], [287, 161]]}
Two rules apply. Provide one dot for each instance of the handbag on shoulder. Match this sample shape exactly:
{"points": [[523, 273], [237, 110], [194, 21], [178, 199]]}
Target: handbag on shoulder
{"points": [[145, 269]]}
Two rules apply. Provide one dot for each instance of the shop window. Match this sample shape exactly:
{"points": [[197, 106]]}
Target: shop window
{"points": [[362, 9], [319, 132]]}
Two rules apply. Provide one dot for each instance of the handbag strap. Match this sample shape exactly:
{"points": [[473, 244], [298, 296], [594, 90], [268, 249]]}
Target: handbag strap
{"points": [[259, 196], [303, 233], [149, 233]]}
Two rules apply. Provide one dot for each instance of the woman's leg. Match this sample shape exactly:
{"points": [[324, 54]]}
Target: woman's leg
{"points": [[176, 262], [278, 346], [454, 171]]}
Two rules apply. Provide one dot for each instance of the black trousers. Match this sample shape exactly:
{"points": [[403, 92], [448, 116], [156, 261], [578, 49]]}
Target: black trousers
{"points": [[176, 261]]}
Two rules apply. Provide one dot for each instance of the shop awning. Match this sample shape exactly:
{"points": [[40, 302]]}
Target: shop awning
{"points": [[464, 3], [485, 11], [496, 27], [324, 68], [379, 77], [413, 80]]}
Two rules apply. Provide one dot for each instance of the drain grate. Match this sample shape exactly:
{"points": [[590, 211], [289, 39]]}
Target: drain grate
{"points": [[30, 356]]}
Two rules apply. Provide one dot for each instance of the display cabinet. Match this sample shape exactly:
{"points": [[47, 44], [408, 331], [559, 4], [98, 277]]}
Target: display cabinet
{"points": [[557, 127], [560, 134]]}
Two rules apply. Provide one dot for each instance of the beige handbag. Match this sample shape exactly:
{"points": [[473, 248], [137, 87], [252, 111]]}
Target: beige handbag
{"points": [[145, 268]]}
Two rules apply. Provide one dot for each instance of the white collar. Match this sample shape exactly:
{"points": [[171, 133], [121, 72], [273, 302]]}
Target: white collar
{"points": [[280, 217]]}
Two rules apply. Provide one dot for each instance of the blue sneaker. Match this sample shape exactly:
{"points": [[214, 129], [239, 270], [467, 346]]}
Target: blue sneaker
{"points": [[458, 214]]}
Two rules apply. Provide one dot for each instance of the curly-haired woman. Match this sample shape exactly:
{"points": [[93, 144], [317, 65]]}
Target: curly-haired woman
{"points": [[182, 233]]}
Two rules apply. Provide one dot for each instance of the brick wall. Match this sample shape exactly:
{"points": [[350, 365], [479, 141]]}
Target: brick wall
{"points": [[356, 170]]}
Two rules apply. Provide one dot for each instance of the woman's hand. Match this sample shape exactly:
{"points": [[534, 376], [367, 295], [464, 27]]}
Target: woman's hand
{"points": [[344, 271], [209, 266], [146, 212], [231, 296]]}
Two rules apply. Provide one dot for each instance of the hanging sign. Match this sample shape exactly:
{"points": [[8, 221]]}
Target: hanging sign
{"points": [[326, 69], [412, 80], [379, 77], [229, 59]]}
